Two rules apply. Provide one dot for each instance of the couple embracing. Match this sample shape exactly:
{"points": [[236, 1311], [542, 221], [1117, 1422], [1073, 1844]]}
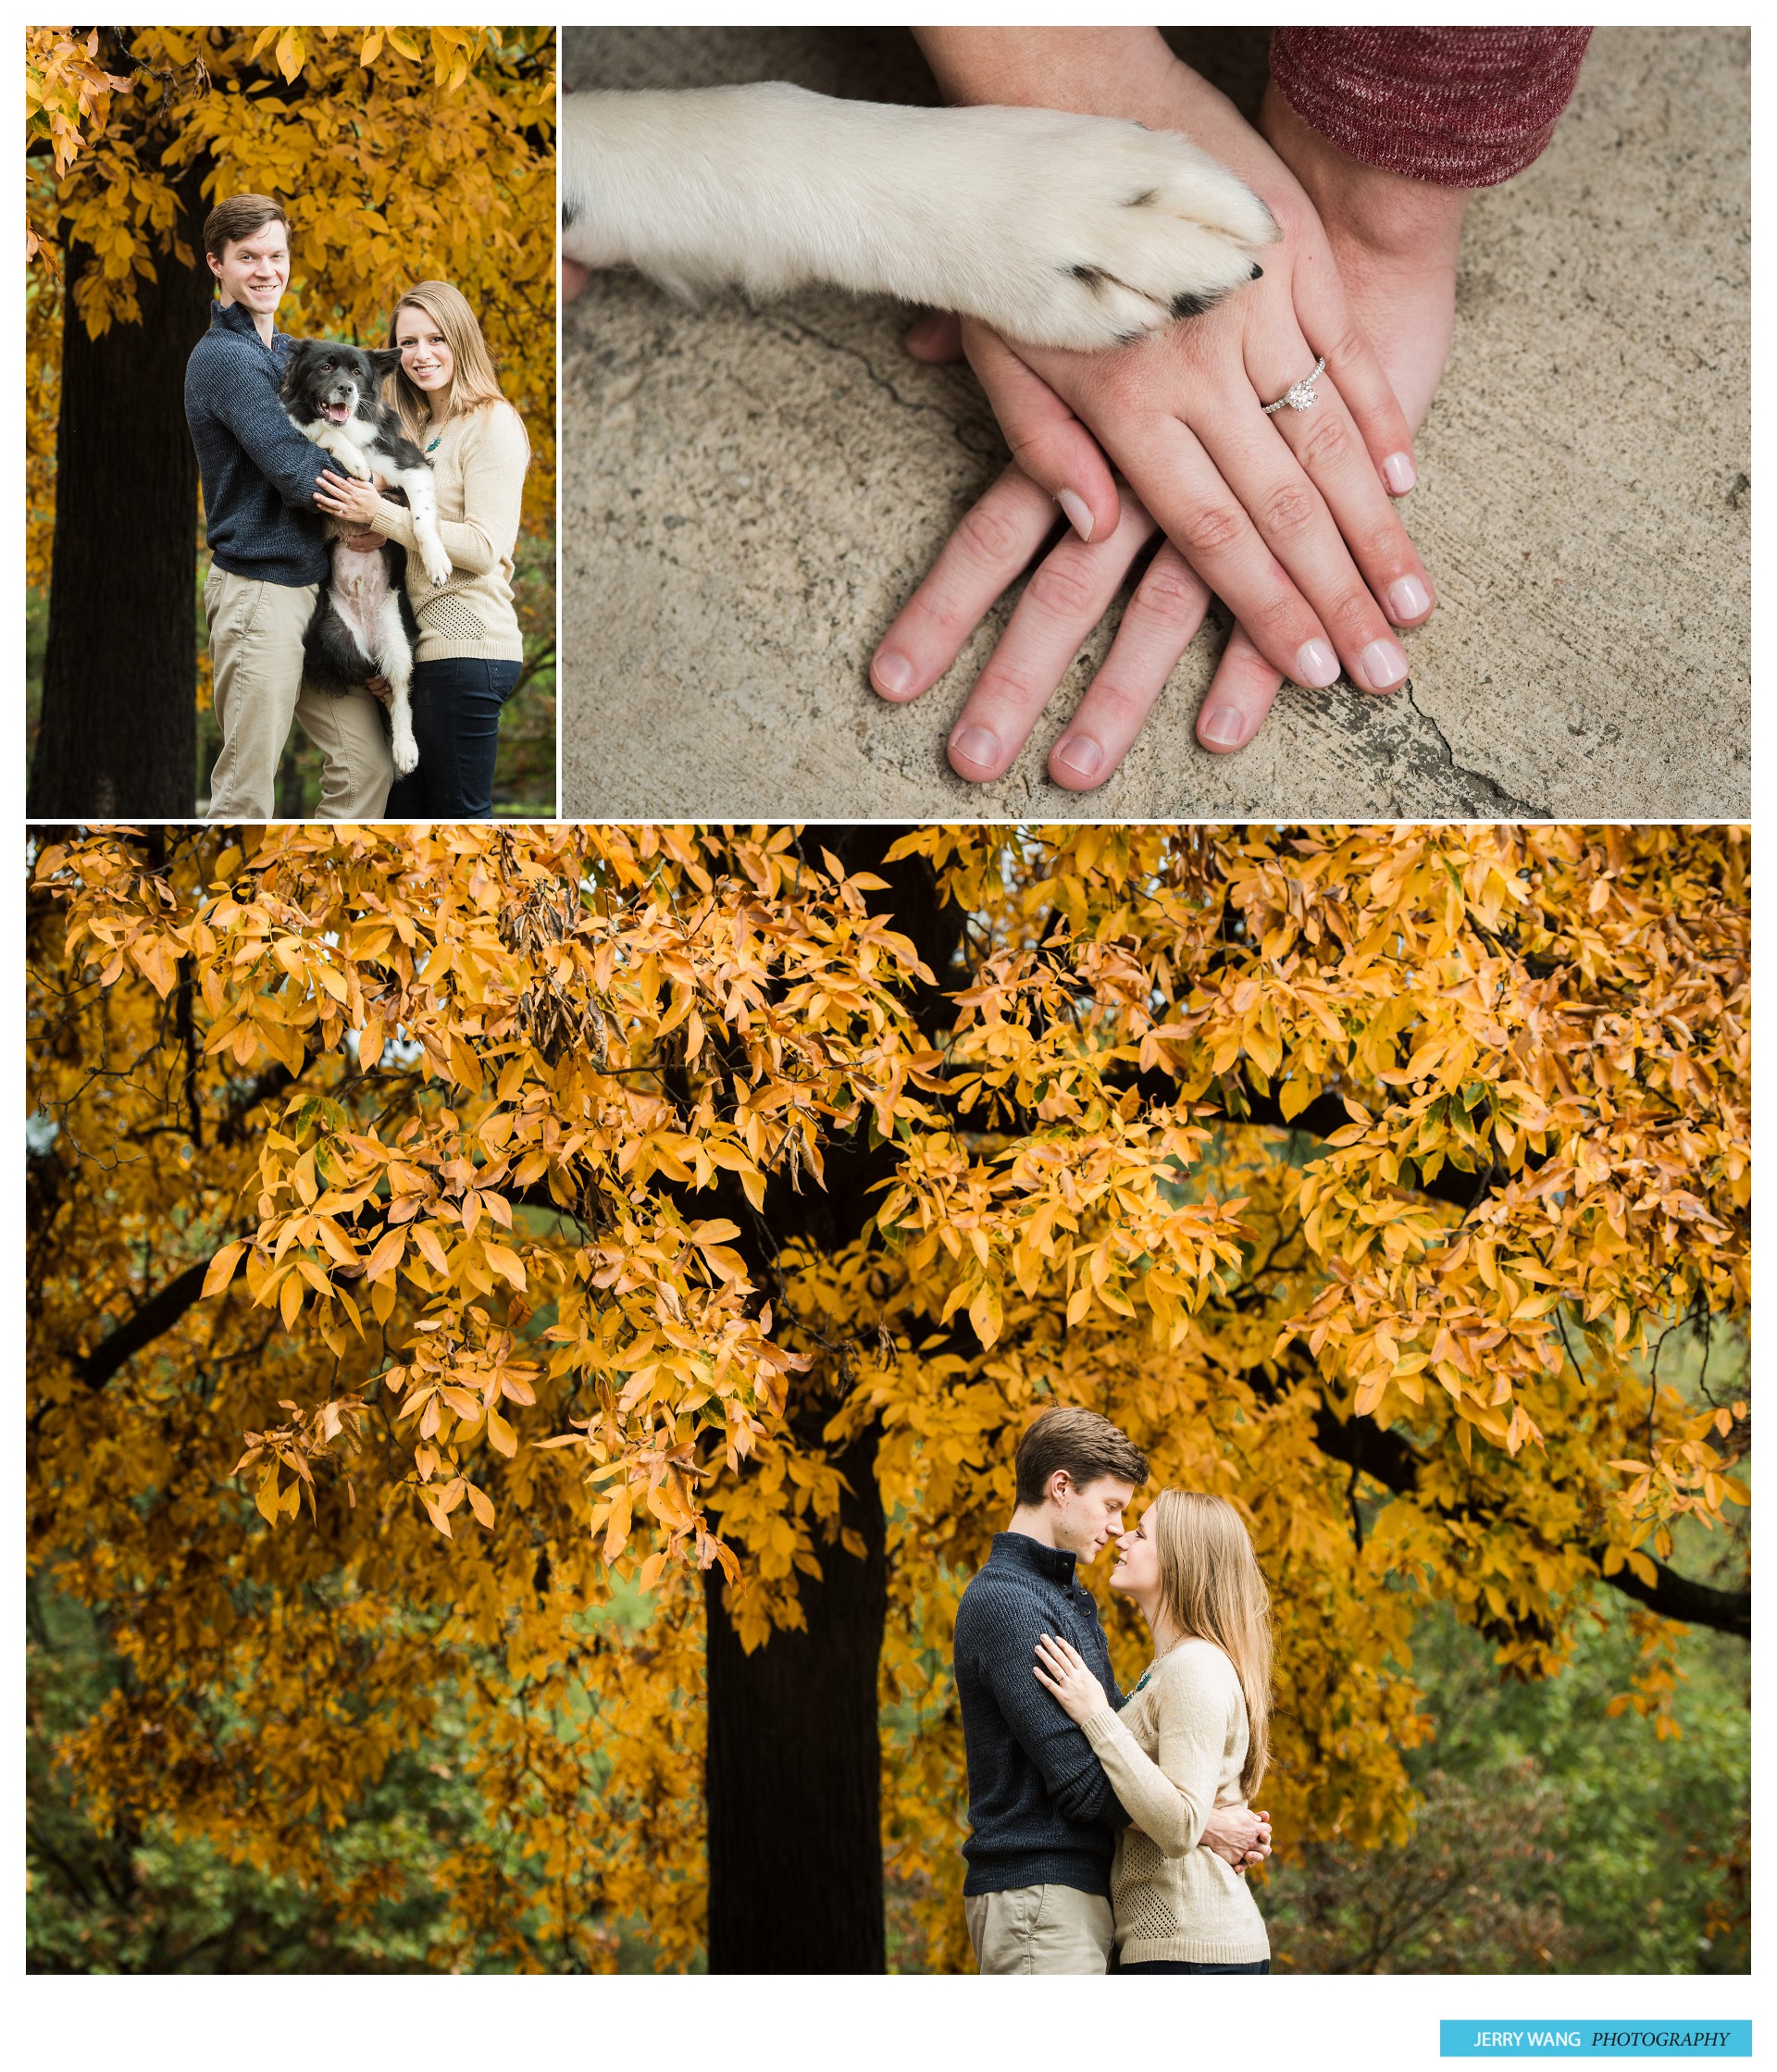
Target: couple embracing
{"points": [[268, 494], [1111, 1833]]}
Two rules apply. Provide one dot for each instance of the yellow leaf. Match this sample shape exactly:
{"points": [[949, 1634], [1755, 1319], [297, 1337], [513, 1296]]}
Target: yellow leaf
{"points": [[985, 1313], [222, 1269], [389, 1250], [506, 1263], [616, 1532]]}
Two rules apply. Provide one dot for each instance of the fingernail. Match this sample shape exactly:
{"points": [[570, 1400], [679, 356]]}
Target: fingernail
{"points": [[1078, 516], [1383, 664], [1316, 665], [893, 673], [1397, 472], [1081, 755], [975, 744], [1408, 598], [1224, 725]]}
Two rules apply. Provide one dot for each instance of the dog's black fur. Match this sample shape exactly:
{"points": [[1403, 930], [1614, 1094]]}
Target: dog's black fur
{"points": [[334, 658]]}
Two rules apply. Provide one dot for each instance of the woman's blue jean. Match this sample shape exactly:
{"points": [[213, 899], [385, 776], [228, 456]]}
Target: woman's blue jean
{"points": [[1264, 1965], [456, 723]]}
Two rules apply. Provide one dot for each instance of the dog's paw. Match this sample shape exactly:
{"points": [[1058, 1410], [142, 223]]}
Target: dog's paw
{"points": [[437, 566], [405, 750], [1107, 232]]}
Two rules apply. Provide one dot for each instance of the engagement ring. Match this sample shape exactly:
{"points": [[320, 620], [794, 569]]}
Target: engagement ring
{"points": [[1301, 396]]}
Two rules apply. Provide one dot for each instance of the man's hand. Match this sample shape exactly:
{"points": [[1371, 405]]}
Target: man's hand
{"points": [[1238, 1835]]}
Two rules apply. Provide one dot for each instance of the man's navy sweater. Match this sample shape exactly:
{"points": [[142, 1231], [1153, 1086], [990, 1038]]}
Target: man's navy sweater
{"points": [[259, 472], [1041, 1809]]}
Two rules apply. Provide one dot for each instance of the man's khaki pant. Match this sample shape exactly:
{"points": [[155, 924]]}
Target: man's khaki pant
{"points": [[1039, 1928], [256, 659]]}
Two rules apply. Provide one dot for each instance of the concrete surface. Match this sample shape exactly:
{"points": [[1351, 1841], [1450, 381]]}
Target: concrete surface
{"points": [[749, 496]]}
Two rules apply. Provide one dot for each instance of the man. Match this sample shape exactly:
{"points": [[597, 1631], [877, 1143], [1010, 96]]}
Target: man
{"points": [[1042, 1816], [268, 549]]}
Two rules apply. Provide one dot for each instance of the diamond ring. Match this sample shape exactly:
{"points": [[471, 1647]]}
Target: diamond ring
{"points": [[1300, 396]]}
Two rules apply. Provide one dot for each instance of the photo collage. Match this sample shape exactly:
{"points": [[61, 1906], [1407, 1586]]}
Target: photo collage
{"points": [[888, 1033]]}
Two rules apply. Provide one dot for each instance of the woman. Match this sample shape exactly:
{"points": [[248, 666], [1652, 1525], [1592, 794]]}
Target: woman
{"points": [[1193, 1735], [470, 653]]}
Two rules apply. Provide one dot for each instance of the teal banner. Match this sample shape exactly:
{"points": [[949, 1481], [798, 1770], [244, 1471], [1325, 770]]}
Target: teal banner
{"points": [[1661, 2039]]}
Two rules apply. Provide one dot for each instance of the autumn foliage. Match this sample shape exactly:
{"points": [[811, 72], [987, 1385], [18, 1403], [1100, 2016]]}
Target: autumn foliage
{"points": [[436, 1266]]}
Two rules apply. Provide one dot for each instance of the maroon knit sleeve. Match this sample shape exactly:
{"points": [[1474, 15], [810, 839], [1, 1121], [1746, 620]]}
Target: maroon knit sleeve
{"points": [[1459, 107]]}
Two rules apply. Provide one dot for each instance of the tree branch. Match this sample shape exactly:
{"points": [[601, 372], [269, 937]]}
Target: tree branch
{"points": [[1387, 1458], [162, 1311]]}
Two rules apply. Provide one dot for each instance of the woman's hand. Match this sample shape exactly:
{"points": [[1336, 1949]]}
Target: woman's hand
{"points": [[340, 497], [1288, 517], [1061, 1671]]}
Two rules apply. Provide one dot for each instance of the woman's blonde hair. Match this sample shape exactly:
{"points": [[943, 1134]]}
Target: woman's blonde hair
{"points": [[1211, 1589], [474, 382]]}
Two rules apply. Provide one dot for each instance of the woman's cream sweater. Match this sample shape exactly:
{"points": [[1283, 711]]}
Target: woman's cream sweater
{"points": [[1172, 1755], [479, 465]]}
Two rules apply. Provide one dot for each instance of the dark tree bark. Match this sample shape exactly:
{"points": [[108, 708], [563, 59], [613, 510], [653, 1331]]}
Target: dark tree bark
{"points": [[792, 1774], [793, 1779], [118, 737]]}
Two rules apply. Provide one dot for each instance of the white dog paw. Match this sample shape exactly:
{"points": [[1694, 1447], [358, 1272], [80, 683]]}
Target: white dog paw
{"points": [[438, 567], [1109, 231], [405, 750]]}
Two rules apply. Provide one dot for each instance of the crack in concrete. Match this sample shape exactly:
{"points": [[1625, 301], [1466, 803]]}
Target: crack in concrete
{"points": [[1493, 794], [801, 330]]}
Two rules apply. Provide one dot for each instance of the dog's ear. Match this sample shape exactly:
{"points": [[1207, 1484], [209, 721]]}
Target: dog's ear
{"points": [[295, 359], [385, 359]]}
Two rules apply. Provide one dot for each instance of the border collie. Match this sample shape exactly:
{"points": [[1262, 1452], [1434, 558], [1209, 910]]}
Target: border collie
{"points": [[332, 393], [363, 627], [1072, 230]]}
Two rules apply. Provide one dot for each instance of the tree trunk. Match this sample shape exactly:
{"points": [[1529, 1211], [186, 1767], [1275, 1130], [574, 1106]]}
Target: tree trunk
{"points": [[793, 1777], [118, 737]]}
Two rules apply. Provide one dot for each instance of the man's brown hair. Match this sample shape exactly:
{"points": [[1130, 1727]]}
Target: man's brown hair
{"points": [[238, 217], [1084, 1444]]}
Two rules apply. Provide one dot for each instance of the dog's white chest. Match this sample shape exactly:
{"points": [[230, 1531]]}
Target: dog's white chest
{"points": [[360, 592]]}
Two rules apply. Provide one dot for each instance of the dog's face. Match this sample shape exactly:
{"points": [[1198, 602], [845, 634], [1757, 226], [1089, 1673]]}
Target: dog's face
{"points": [[326, 380]]}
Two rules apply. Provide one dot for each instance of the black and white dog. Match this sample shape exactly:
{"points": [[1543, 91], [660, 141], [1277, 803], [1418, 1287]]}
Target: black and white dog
{"points": [[333, 395], [363, 624], [1072, 230]]}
